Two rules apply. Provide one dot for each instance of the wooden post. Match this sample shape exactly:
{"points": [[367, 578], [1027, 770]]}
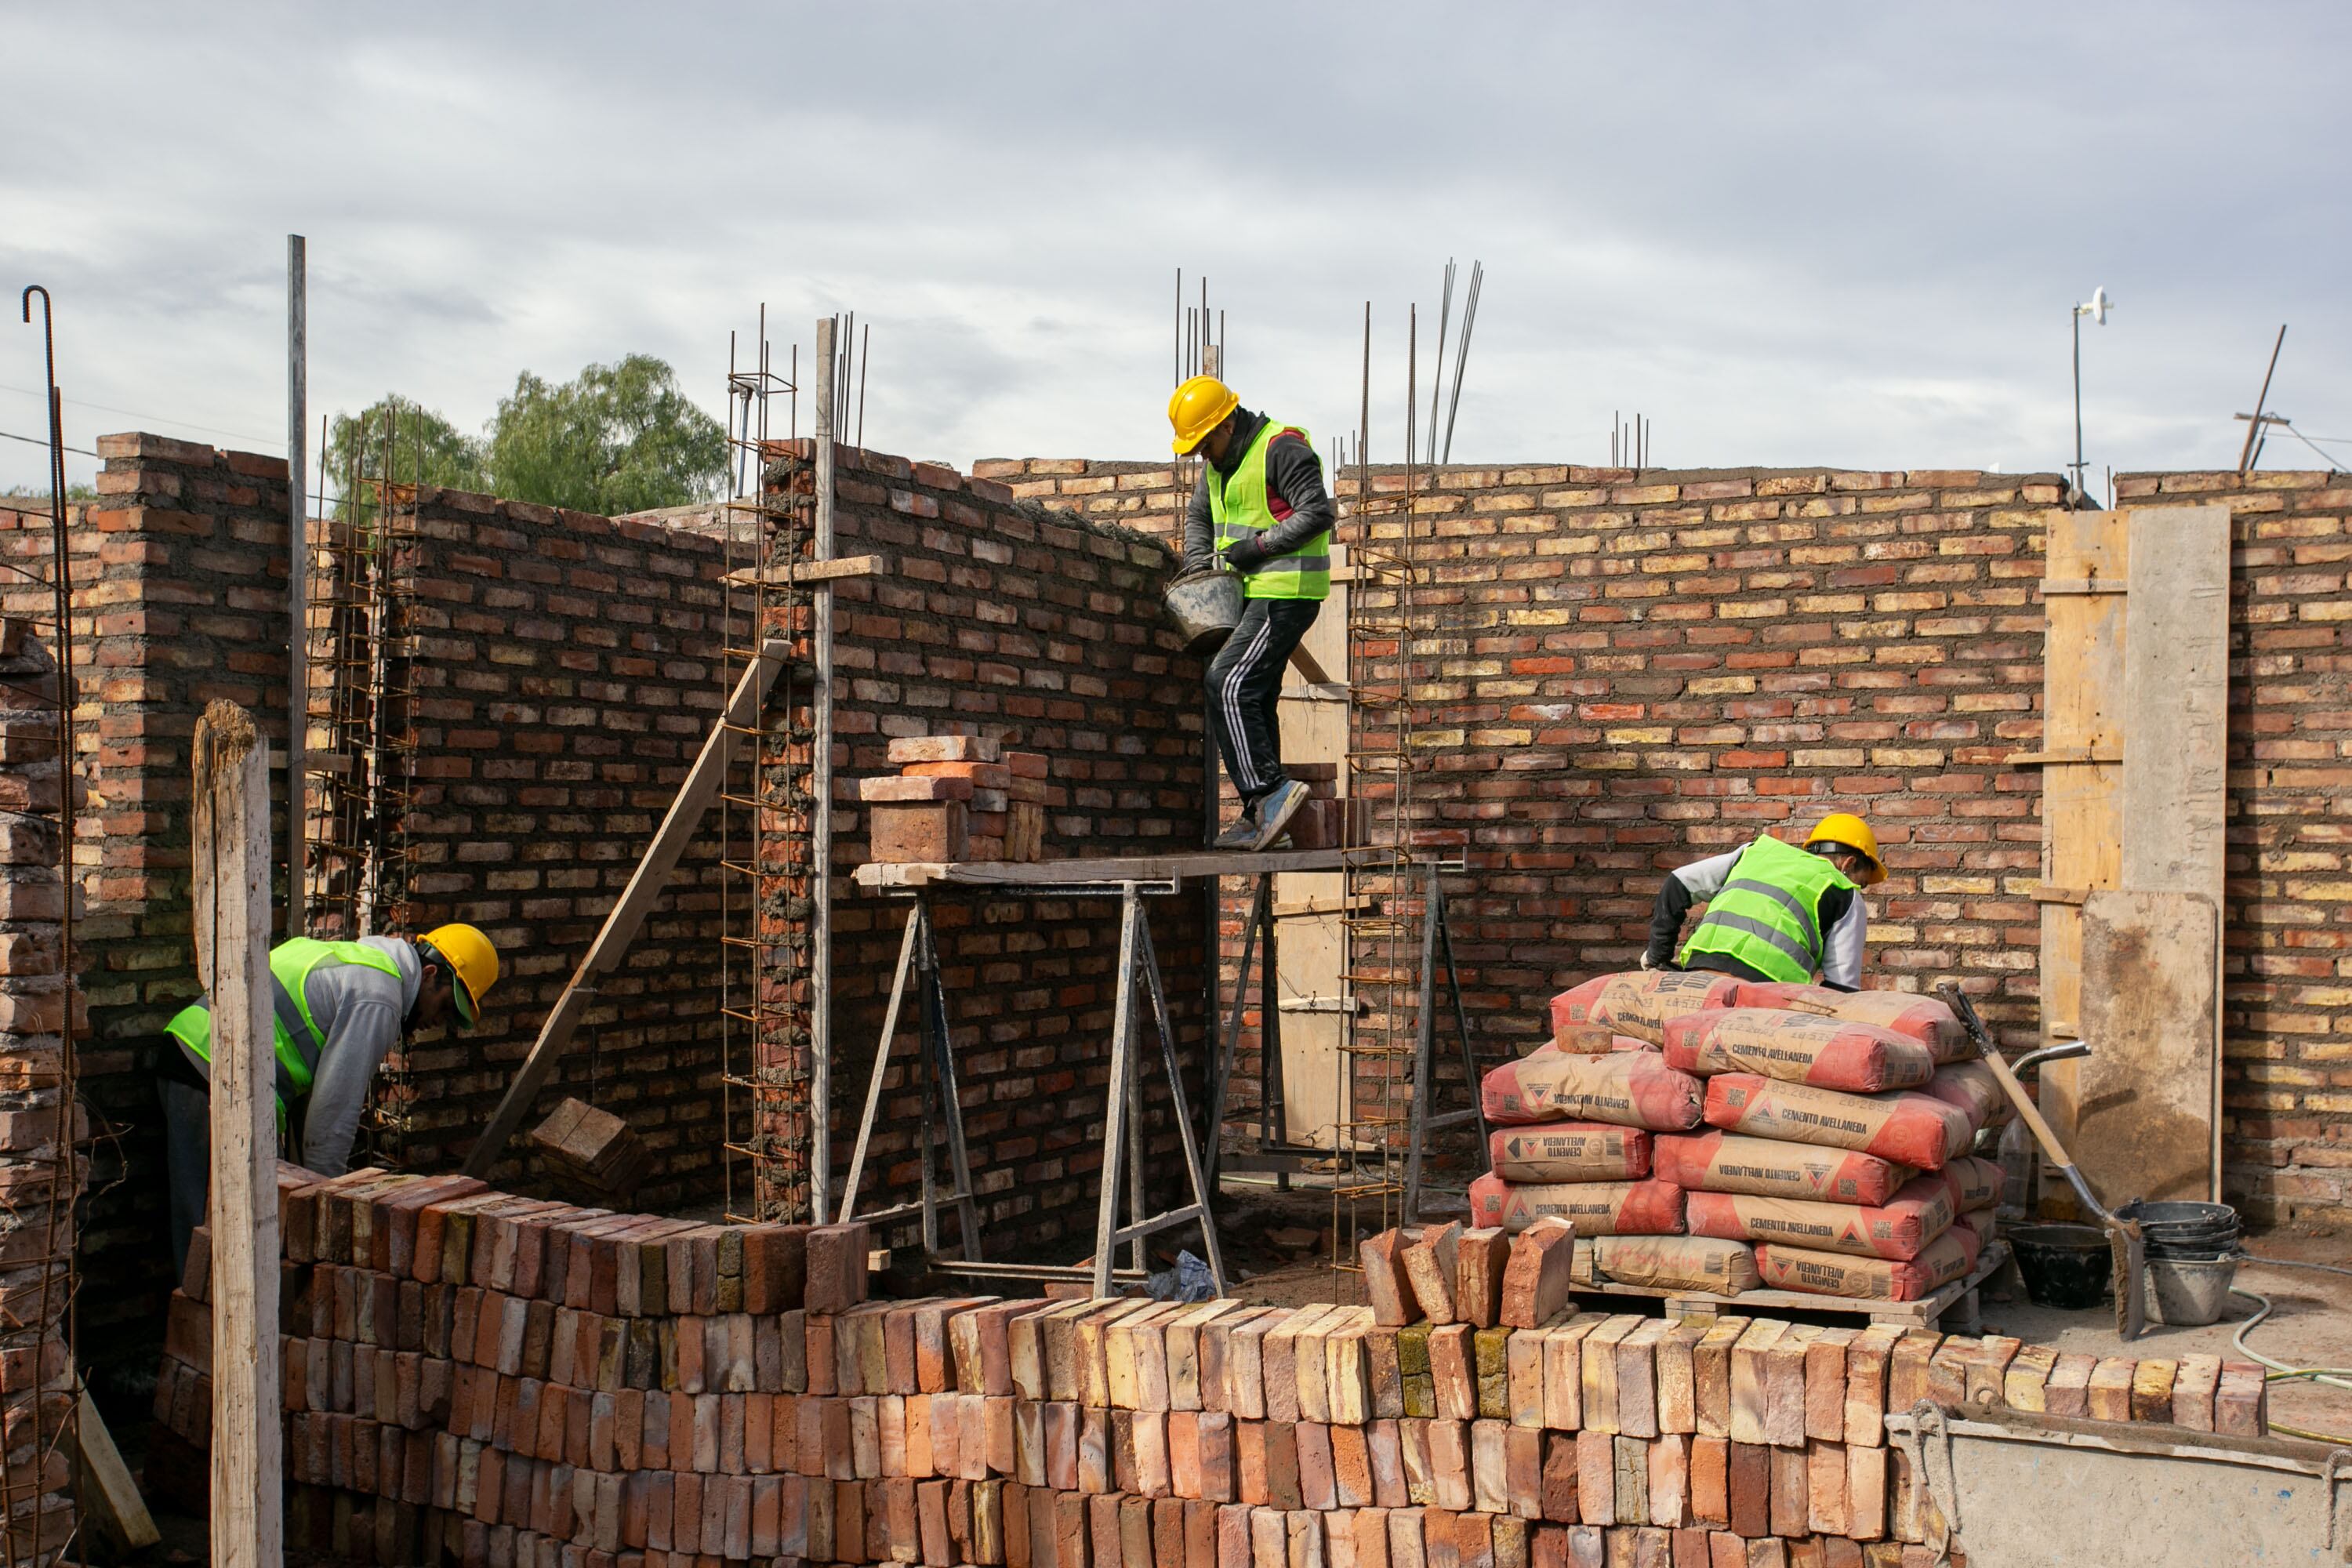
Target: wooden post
{"points": [[231, 855]]}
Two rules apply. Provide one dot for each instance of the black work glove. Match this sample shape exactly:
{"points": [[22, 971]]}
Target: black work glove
{"points": [[1244, 554]]}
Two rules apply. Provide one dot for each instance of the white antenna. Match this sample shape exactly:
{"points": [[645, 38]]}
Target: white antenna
{"points": [[2097, 311]]}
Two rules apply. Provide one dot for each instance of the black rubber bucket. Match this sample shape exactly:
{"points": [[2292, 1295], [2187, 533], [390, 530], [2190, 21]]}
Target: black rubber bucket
{"points": [[2186, 1232], [2064, 1266]]}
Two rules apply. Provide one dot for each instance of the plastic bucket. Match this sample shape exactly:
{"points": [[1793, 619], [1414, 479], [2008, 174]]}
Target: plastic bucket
{"points": [[2191, 1232], [1207, 606], [2190, 1293], [2064, 1266]]}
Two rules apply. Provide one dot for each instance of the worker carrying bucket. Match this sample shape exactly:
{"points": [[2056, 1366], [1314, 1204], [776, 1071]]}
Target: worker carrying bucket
{"points": [[1260, 513], [1775, 912], [339, 1009]]}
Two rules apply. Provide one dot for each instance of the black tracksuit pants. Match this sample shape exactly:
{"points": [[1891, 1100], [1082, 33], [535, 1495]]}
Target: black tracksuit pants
{"points": [[1244, 687]]}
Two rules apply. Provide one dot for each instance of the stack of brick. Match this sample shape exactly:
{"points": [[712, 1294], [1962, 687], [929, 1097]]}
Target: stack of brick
{"points": [[1833, 1154], [504, 1381], [42, 1129], [959, 798]]}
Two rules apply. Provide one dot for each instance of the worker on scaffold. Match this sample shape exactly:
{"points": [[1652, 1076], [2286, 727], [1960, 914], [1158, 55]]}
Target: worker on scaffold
{"points": [[340, 1008], [1262, 509], [1773, 912]]}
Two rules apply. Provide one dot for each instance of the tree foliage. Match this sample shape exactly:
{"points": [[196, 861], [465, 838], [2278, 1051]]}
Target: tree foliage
{"points": [[616, 439]]}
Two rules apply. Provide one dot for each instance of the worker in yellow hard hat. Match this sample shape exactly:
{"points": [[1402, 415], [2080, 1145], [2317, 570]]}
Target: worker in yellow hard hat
{"points": [[1261, 508], [1774, 911], [339, 1009]]}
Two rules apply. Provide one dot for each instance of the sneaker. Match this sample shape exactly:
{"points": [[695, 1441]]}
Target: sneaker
{"points": [[1274, 812], [1242, 835]]}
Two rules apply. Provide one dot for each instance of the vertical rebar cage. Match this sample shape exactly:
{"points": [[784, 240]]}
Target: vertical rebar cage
{"points": [[766, 809]]}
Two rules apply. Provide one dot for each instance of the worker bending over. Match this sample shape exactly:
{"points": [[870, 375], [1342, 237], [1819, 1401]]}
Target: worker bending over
{"points": [[340, 1008], [1261, 508], [1774, 912]]}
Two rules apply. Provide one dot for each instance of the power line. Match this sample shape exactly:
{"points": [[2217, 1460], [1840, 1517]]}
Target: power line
{"points": [[43, 441], [278, 445]]}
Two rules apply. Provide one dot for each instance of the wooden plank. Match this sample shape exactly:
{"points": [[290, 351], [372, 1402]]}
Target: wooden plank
{"points": [[2143, 1122], [636, 902], [109, 1497], [231, 888], [2050, 585], [1104, 868], [811, 574], [1923, 1312], [1311, 949], [2060, 755], [2044, 893], [2177, 687], [2082, 815]]}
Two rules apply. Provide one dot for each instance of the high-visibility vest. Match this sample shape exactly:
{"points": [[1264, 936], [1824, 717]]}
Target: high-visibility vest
{"points": [[299, 1040], [1239, 506], [1767, 914]]}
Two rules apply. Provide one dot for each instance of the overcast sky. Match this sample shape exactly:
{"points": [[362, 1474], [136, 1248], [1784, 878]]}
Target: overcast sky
{"points": [[1789, 234]]}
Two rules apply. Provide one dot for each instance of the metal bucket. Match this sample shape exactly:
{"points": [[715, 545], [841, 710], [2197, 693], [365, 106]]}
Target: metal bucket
{"points": [[1207, 605], [2189, 1294]]}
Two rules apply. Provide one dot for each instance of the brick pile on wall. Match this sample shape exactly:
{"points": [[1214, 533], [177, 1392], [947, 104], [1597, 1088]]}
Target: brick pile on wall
{"points": [[516, 1383], [42, 1132], [1043, 631], [1652, 667]]}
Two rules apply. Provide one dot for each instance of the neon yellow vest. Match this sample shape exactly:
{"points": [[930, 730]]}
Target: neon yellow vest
{"points": [[1766, 916], [1238, 507], [299, 1037]]}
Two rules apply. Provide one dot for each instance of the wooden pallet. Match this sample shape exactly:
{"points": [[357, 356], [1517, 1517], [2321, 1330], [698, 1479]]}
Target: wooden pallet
{"points": [[1923, 1313]]}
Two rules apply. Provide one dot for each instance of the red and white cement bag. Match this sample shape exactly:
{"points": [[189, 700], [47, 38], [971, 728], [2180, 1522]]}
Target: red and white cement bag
{"points": [[1640, 1001], [1974, 1183], [1798, 1047], [1972, 1087], [1768, 1168], [1595, 1208], [1676, 1263], [1947, 1258], [1910, 1129], [1980, 1225], [1569, 1151], [1625, 1088], [1925, 1019], [1899, 1230]]}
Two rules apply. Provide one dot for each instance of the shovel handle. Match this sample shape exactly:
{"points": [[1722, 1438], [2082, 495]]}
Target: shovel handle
{"points": [[2050, 1149]]}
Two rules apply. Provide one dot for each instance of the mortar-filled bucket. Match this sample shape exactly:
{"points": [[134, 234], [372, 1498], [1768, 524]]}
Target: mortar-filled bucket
{"points": [[1207, 604], [2064, 1266]]}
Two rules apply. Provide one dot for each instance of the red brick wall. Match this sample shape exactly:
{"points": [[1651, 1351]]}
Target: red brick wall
{"points": [[1636, 673]]}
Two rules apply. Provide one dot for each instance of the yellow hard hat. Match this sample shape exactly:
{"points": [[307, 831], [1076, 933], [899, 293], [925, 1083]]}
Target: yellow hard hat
{"points": [[1198, 406], [473, 965], [1844, 828]]}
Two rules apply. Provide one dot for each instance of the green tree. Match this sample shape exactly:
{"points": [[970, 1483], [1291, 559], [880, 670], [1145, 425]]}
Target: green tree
{"points": [[619, 438], [423, 448]]}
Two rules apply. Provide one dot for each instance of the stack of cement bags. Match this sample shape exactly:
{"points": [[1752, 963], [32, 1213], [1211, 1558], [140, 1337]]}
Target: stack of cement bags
{"points": [[1808, 1139]]}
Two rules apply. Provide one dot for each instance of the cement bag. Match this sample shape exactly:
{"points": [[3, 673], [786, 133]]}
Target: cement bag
{"points": [[1911, 1129], [1980, 1225], [1972, 1087], [1595, 1208], [1925, 1019], [1798, 1047], [1640, 1001], [1900, 1229], [1947, 1258], [1975, 1184], [1676, 1263], [1569, 1151], [1727, 1163], [1625, 1088]]}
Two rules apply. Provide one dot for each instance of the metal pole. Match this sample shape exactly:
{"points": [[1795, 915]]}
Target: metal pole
{"points": [[2078, 401], [297, 510], [821, 803], [2261, 401]]}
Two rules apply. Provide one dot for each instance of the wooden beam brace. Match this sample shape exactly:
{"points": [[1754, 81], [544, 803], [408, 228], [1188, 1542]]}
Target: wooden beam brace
{"points": [[636, 902], [811, 574]]}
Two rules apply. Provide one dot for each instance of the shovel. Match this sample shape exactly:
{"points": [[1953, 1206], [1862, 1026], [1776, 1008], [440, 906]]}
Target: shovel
{"points": [[2127, 1253]]}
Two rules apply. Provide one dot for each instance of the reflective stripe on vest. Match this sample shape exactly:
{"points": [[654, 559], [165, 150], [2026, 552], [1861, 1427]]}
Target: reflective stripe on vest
{"points": [[1239, 506], [297, 1040], [1767, 914]]}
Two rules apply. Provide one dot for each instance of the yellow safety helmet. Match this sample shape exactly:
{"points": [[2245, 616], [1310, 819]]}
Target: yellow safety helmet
{"points": [[472, 962], [1198, 406], [1844, 828]]}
